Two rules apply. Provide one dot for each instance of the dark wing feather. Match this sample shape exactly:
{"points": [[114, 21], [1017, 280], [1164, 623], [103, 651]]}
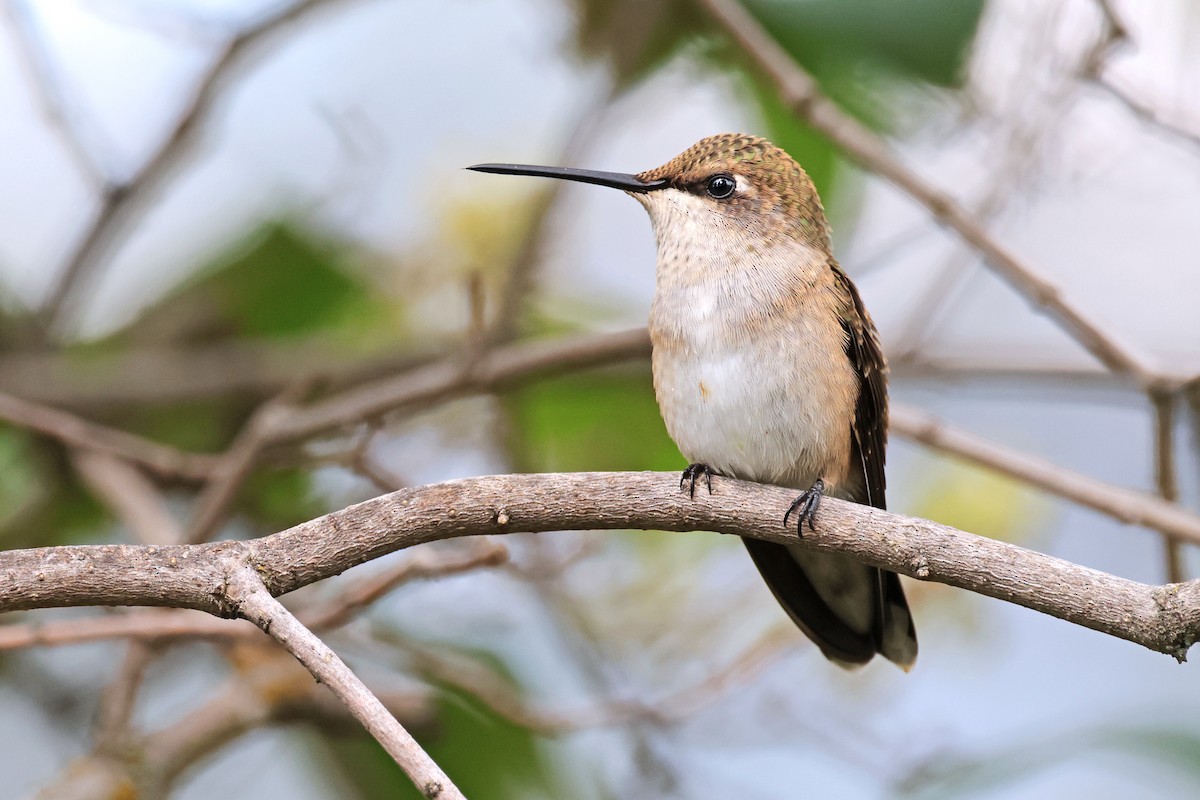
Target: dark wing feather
{"points": [[870, 418], [896, 635]]}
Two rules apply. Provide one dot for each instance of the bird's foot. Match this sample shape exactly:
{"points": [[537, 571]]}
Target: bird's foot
{"points": [[805, 507], [691, 474]]}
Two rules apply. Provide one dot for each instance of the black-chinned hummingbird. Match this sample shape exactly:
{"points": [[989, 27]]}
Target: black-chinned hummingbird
{"points": [[767, 367]]}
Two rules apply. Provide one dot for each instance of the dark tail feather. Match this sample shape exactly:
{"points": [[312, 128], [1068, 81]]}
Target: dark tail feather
{"points": [[871, 616]]}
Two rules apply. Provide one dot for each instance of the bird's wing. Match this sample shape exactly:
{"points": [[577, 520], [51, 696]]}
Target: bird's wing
{"points": [[870, 417]]}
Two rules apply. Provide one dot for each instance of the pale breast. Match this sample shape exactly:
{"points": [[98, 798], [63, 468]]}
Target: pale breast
{"points": [[765, 400]]}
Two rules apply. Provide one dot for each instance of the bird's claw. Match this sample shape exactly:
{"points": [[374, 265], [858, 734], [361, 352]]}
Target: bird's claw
{"points": [[805, 507], [690, 475]]}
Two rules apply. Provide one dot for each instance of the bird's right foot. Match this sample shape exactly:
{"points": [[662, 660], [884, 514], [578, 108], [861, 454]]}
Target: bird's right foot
{"points": [[693, 472], [805, 507]]}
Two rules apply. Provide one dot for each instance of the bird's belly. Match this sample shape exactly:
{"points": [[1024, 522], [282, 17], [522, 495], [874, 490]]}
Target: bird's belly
{"points": [[748, 412]]}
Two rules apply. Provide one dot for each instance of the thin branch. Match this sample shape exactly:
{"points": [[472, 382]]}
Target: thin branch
{"points": [[236, 463], [134, 499], [255, 603], [445, 379], [273, 691], [1164, 476], [800, 92], [1146, 112], [114, 717], [120, 202], [268, 689], [1116, 37], [1127, 505], [78, 432], [154, 375], [1162, 618], [154, 624], [145, 373], [484, 553], [53, 101], [499, 695]]}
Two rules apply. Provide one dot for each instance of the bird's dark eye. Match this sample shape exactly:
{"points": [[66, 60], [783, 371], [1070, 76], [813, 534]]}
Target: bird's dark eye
{"points": [[721, 187]]}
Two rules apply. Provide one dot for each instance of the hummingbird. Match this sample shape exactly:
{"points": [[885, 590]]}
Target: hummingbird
{"points": [[767, 367]]}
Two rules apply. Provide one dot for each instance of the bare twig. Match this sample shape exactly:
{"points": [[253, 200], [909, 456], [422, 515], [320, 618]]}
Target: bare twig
{"points": [[78, 432], [518, 282], [1162, 618], [799, 91], [270, 688], [236, 463], [148, 374], [1146, 112], [126, 490], [54, 102], [1164, 475], [272, 691], [1127, 505], [420, 566], [431, 384], [1116, 37], [117, 701], [358, 459], [255, 603], [503, 698], [120, 201], [153, 624]]}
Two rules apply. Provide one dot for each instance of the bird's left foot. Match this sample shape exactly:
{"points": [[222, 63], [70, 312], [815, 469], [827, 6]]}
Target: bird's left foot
{"points": [[692, 473], [805, 507]]}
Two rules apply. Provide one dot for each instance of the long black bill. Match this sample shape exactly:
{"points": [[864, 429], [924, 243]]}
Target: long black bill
{"points": [[617, 180]]}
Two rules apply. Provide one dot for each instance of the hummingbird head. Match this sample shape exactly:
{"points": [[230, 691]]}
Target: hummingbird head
{"points": [[724, 196], [736, 181]]}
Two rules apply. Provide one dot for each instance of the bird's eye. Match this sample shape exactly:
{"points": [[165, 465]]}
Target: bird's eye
{"points": [[720, 187]]}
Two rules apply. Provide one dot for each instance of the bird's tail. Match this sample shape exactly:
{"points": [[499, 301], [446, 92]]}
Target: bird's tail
{"points": [[850, 610]]}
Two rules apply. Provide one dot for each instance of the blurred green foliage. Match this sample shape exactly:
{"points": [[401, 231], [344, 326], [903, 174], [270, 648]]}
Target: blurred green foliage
{"points": [[918, 40], [279, 281], [41, 501], [974, 499], [603, 420]]}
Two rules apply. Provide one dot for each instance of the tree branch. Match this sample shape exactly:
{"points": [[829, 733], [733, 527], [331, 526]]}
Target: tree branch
{"points": [[246, 590], [1164, 475], [1127, 505], [86, 435], [447, 378], [1162, 618], [799, 91], [120, 200], [131, 496]]}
